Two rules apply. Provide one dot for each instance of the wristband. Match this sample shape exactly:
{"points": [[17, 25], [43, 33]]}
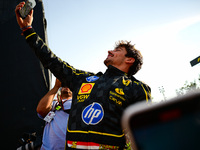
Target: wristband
{"points": [[25, 27]]}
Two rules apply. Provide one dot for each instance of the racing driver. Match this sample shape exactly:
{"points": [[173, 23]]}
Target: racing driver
{"points": [[98, 99]]}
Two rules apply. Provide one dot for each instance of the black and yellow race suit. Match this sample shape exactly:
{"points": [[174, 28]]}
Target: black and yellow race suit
{"points": [[98, 99]]}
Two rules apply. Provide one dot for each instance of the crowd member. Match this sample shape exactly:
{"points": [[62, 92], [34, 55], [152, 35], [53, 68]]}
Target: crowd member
{"points": [[55, 113], [98, 99]]}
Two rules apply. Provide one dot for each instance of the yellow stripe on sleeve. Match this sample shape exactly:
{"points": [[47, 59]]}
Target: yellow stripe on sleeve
{"points": [[30, 35], [145, 92]]}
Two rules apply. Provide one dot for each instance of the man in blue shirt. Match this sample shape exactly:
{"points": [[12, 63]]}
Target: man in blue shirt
{"points": [[55, 113]]}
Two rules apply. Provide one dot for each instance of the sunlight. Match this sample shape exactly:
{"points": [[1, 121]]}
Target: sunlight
{"points": [[166, 58]]}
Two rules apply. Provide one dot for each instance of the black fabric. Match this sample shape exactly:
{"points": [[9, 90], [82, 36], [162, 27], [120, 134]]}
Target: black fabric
{"points": [[23, 80]]}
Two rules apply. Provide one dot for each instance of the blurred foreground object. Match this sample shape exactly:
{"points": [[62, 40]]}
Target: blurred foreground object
{"points": [[170, 125]]}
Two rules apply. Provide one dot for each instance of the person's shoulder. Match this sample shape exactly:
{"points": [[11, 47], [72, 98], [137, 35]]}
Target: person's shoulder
{"points": [[67, 104], [140, 90], [99, 74], [136, 82]]}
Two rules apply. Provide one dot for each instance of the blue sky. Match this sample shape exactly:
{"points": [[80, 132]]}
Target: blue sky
{"points": [[166, 32]]}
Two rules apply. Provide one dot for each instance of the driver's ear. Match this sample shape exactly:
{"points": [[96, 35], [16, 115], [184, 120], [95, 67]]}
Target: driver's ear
{"points": [[130, 60]]}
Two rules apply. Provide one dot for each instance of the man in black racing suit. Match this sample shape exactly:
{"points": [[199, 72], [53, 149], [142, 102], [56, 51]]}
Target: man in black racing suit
{"points": [[98, 99]]}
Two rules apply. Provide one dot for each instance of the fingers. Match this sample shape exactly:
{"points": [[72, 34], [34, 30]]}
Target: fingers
{"points": [[31, 13], [26, 21], [18, 7]]}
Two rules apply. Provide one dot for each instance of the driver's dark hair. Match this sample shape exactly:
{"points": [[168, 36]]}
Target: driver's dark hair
{"points": [[131, 52]]}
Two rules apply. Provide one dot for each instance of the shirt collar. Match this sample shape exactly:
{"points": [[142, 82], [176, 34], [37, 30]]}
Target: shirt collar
{"points": [[114, 71]]}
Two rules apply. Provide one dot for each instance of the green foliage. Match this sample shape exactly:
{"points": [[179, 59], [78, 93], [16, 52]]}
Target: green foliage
{"points": [[188, 87]]}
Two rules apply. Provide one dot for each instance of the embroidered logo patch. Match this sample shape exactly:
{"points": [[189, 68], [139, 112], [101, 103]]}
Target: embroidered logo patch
{"points": [[92, 114], [92, 78], [86, 88], [126, 82], [119, 91]]}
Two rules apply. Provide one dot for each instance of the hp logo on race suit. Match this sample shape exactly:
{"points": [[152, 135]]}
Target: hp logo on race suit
{"points": [[92, 114]]}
